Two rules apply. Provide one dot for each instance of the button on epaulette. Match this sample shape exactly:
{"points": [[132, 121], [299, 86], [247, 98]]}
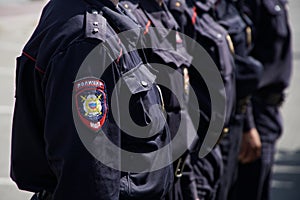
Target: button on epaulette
{"points": [[178, 4], [130, 5], [277, 8], [95, 25], [126, 6]]}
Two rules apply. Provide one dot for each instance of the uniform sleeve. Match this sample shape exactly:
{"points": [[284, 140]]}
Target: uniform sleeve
{"points": [[52, 148], [70, 127], [29, 165], [249, 119]]}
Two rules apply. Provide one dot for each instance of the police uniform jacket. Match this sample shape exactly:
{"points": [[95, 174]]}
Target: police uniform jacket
{"points": [[168, 48], [273, 48], [54, 80]]}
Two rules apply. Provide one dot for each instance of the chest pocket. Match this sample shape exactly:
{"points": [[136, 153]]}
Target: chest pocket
{"points": [[145, 103], [276, 13]]}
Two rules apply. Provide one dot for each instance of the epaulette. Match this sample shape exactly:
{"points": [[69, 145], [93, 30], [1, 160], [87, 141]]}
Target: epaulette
{"points": [[95, 25]]}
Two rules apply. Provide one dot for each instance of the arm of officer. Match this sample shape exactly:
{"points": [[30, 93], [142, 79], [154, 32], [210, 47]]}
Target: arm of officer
{"points": [[249, 119], [250, 148], [79, 175], [29, 166]]}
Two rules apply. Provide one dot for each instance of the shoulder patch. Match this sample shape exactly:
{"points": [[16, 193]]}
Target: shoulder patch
{"points": [[91, 102], [95, 25]]}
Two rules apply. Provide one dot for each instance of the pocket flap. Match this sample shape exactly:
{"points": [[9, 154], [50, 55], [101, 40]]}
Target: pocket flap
{"points": [[139, 79]]}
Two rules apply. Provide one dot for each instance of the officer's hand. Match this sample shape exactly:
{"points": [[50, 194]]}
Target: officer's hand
{"points": [[250, 147]]}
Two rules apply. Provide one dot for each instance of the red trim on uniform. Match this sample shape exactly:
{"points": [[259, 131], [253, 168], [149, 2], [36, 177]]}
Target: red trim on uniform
{"points": [[39, 69], [194, 17], [147, 27], [34, 60], [121, 53], [28, 56]]}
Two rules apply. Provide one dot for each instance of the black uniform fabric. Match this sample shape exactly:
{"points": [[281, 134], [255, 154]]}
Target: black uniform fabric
{"points": [[272, 38], [208, 171], [47, 153], [247, 76], [239, 27], [202, 21], [272, 48], [230, 146], [254, 179], [272, 32], [168, 49], [198, 25], [194, 19]]}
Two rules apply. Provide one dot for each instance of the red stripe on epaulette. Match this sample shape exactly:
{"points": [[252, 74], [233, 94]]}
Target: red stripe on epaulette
{"points": [[194, 17], [29, 56]]}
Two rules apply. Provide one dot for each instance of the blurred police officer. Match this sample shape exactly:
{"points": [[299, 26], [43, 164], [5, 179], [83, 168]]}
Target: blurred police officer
{"points": [[248, 72], [169, 49], [195, 21], [53, 78], [272, 47], [205, 20]]}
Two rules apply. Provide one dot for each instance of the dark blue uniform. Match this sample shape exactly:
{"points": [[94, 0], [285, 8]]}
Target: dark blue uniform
{"points": [[195, 21], [272, 47], [166, 46], [202, 20], [248, 72], [47, 153]]}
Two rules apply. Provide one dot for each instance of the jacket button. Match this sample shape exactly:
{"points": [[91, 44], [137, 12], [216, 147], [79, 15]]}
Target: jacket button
{"points": [[277, 8], [177, 4], [144, 83], [95, 23]]}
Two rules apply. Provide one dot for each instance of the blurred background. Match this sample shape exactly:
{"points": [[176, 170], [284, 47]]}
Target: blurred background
{"points": [[17, 21]]}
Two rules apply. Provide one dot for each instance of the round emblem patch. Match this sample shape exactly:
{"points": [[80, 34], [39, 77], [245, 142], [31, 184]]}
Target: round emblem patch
{"points": [[91, 102]]}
